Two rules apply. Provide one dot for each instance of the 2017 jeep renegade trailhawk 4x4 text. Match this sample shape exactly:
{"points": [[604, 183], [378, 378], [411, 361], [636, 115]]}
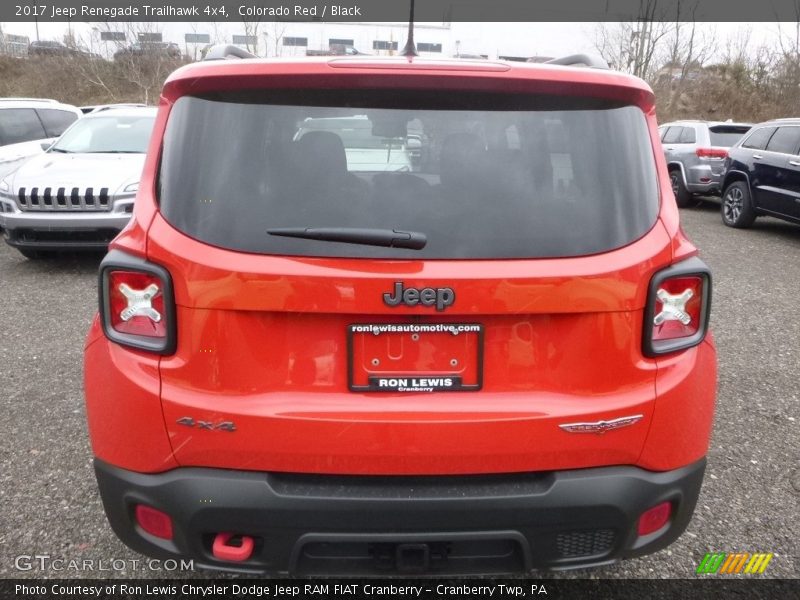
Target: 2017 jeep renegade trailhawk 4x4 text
{"points": [[401, 316]]}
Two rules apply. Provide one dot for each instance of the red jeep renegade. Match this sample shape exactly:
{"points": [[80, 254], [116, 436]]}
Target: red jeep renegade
{"points": [[401, 316]]}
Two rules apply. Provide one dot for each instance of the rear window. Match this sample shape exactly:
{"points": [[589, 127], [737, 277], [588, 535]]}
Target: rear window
{"points": [[480, 176], [726, 136]]}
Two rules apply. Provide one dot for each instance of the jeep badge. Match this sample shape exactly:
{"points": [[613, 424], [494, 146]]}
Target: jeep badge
{"points": [[440, 297]]}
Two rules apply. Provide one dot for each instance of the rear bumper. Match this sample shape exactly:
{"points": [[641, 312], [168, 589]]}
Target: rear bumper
{"points": [[381, 525], [701, 179]]}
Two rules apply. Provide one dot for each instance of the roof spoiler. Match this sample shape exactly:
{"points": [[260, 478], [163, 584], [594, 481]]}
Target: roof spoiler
{"points": [[224, 51], [575, 60]]}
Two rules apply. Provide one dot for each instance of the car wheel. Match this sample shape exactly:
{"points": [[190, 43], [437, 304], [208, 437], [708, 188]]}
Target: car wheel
{"points": [[683, 197], [737, 209]]}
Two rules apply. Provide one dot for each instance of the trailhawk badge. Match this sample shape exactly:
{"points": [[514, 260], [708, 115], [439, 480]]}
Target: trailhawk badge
{"points": [[601, 426], [439, 297]]}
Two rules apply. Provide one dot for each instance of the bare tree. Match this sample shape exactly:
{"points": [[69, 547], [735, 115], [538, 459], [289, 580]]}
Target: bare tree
{"points": [[643, 47], [251, 34], [139, 59], [192, 51], [789, 38], [683, 65], [630, 46], [274, 35], [95, 71], [216, 34]]}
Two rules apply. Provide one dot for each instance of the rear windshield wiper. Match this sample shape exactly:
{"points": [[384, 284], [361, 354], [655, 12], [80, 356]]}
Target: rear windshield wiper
{"points": [[61, 150], [390, 238]]}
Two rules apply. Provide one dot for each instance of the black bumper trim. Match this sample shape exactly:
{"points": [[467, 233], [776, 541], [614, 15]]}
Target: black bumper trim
{"points": [[317, 524], [66, 240]]}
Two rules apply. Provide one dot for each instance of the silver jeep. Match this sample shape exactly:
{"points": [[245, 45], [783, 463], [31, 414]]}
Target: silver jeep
{"points": [[695, 152]]}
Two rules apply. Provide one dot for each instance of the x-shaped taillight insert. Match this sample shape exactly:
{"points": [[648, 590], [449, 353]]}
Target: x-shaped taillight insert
{"points": [[140, 302], [673, 307]]}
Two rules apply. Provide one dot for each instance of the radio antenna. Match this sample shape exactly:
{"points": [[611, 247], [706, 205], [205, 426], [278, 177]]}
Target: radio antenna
{"points": [[410, 48]]}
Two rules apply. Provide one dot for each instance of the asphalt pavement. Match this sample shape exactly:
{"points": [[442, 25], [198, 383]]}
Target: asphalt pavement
{"points": [[49, 505]]}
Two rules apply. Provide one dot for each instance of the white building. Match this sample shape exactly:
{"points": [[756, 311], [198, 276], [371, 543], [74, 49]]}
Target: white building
{"points": [[13, 45], [283, 38], [278, 38]]}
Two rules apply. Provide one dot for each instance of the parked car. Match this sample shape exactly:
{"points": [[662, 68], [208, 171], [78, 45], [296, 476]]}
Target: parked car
{"points": [[695, 152], [48, 48], [55, 48], [496, 362], [79, 194], [28, 124], [762, 175], [163, 49]]}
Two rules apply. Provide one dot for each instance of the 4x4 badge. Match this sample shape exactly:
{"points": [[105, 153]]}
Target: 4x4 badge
{"points": [[209, 425], [439, 297]]}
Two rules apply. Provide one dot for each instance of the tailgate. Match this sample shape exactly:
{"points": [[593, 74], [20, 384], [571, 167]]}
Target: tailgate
{"points": [[301, 365]]}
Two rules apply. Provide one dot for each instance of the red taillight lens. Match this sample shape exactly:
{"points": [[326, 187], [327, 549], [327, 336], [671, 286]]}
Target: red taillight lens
{"points": [[154, 521], [136, 301], [655, 518], [678, 305], [711, 153]]}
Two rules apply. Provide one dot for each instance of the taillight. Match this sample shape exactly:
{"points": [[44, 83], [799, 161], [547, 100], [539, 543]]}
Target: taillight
{"points": [[677, 308], [136, 303], [711, 153], [678, 305]]}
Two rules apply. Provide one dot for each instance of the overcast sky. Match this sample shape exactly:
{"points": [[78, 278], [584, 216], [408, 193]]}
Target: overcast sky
{"points": [[516, 39]]}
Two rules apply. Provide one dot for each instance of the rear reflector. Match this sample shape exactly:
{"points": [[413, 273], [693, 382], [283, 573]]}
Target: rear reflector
{"points": [[154, 522], [655, 518]]}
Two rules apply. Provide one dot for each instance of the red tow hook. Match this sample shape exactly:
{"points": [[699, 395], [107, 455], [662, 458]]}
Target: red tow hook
{"points": [[223, 551]]}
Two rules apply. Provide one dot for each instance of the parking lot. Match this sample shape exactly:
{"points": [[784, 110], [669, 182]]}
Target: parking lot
{"points": [[49, 503]]}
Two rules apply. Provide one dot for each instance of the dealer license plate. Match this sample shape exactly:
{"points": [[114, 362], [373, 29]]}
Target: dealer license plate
{"points": [[415, 357]]}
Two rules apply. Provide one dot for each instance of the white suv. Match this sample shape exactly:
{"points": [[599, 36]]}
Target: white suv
{"points": [[26, 124]]}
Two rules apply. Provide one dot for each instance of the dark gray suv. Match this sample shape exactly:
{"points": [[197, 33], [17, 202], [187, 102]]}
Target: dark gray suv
{"points": [[695, 152]]}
